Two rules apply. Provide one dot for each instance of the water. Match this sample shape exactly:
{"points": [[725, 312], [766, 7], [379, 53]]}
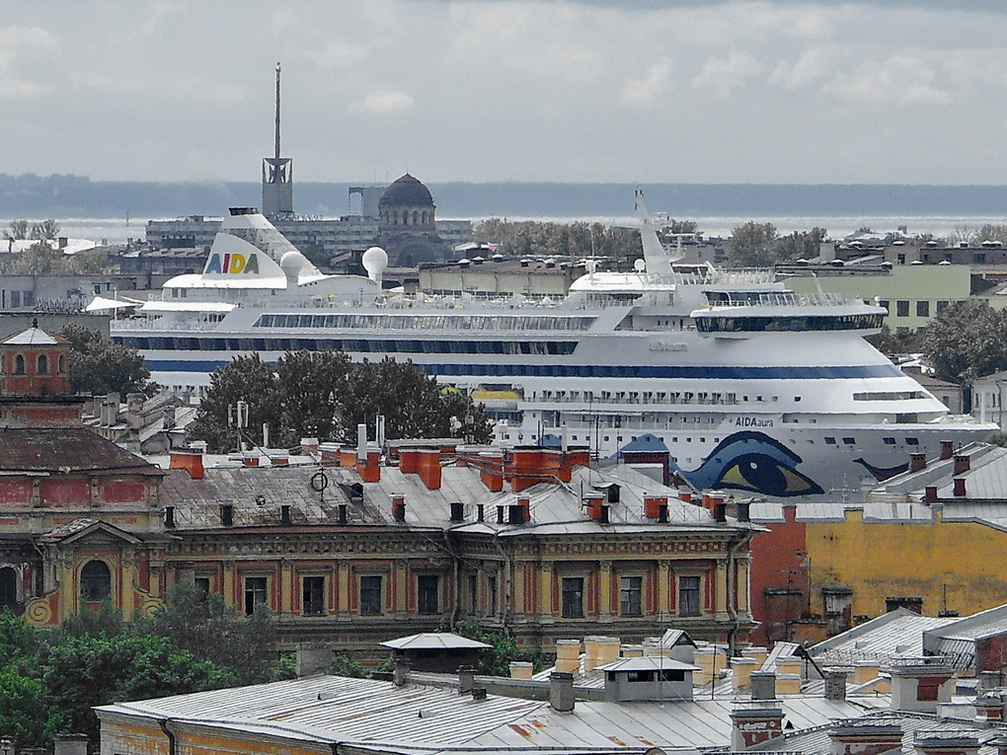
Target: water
{"points": [[119, 231]]}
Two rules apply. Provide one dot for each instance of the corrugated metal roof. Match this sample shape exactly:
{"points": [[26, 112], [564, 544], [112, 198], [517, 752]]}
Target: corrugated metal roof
{"points": [[257, 493], [361, 710], [898, 633]]}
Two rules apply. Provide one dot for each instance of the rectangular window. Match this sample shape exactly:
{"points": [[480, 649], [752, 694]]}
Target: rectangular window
{"points": [[370, 596], [902, 308], [313, 596], [688, 596], [941, 306], [573, 597], [473, 593], [923, 308], [885, 304], [202, 584], [255, 593], [427, 594], [631, 596]]}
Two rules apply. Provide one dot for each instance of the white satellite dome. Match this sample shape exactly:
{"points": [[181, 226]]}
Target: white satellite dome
{"points": [[292, 262], [375, 260]]}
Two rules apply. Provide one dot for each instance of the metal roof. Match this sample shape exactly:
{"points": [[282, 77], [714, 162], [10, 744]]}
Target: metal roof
{"points": [[649, 663], [894, 634], [327, 709], [66, 450], [434, 641]]}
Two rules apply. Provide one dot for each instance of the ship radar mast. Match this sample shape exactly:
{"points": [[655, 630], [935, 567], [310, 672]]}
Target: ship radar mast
{"points": [[277, 173]]}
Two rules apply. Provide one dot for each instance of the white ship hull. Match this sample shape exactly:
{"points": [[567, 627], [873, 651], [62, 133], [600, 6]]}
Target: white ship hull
{"points": [[739, 384]]}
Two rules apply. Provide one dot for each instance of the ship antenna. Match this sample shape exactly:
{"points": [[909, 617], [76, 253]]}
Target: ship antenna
{"points": [[277, 141]]}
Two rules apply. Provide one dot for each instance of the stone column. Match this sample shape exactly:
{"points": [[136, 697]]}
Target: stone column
{"points": [[545, 605], [401, 585], [663, 591]]}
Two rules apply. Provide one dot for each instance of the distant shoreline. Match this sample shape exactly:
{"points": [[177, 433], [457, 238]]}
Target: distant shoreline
{"points": [[36, 197]]}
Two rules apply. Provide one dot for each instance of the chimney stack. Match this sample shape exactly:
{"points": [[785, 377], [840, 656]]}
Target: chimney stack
{"points": [[189, 460], [866, 738], [763, 685], [961, 464], [959, 489], [917, 462], [930, 495], [755, 722], [945, 743], [561, 691], [835, 683], [947, 449]]}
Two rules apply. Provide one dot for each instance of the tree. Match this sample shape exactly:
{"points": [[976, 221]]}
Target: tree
{"points": [[496, 662], [315, 386], [27, 715], [18, 230], [801, 244], [204, 626], [99, 366], [753, 244], [248, 379], [320, 394], [991, 232], [966, 341], [45, 230]]}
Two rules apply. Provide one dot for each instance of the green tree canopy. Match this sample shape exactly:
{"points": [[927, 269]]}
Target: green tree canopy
{"points": [[754, 244], [966, 341], [320, 394], [580, 239], [98, 366]]}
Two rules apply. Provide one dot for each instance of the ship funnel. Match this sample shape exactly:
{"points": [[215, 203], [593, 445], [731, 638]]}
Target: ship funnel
{"points": [[657, 259]]}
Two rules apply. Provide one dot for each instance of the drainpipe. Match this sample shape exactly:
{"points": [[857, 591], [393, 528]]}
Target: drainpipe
{"points": [[507, 586], [732, 591], [172, 747]]}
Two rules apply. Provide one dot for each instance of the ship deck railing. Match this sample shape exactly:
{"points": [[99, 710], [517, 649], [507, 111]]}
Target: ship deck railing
{"points": [[784, 299]]}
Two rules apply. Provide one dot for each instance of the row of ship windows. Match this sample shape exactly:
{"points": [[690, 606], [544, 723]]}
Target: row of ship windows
{"points": [[829, 440], [427, 322], [358, 345], [786, 324], [703, 397]]}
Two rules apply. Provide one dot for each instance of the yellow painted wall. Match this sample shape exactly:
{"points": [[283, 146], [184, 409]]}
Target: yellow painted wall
{"points": [[882, 559]]}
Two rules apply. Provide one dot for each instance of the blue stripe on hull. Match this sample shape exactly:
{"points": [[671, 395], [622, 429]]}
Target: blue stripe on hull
{"points": [[600, 371]]}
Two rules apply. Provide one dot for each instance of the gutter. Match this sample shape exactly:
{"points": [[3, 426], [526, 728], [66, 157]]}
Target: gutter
{"points": [[732, 590]]}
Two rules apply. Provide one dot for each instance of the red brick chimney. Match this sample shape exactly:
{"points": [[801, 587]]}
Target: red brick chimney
{"points": [[959, 483], [369, 468], [428, 467], [961, 464], [491, 471], [189, 460], [947, 449], [755, 722], [652, 505], [866, 738], [917, 462]]}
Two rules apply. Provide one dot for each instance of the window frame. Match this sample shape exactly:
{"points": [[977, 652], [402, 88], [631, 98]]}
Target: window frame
{"points": [[572, 607], [369, 608], [428, 595], [680, 603], [250, 597], [313, 604], [627, 600]]}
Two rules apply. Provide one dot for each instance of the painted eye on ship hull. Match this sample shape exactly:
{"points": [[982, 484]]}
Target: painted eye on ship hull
{"points": [[760, 473]]}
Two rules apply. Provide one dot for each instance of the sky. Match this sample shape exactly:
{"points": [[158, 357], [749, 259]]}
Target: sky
{"points": [[641, 91]]}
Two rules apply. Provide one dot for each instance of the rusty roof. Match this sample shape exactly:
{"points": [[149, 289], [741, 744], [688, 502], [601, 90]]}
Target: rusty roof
{"points": [[66, 450]]}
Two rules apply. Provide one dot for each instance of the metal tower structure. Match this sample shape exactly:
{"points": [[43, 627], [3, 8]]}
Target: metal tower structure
{"points": [[277, 173]]}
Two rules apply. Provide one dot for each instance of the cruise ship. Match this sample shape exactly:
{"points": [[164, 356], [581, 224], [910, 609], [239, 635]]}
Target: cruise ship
{"points": [[739, 383]]}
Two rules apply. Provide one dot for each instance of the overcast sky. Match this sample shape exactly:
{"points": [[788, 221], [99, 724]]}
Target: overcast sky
{"points": [[525, 90]]}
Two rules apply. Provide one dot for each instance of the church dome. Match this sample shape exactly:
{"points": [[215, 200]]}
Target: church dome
{"points": [[406, 192]]}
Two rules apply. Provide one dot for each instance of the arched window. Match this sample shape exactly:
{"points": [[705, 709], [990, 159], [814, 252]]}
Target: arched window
{"points": [[416, 217], [62, 364], [95, 581], [8, 587], [43, 364], [19, 364], [405, 217]]}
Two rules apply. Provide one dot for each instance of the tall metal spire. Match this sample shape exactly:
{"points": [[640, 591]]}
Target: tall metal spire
{"points": [[277, 173], [276, 154]]}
